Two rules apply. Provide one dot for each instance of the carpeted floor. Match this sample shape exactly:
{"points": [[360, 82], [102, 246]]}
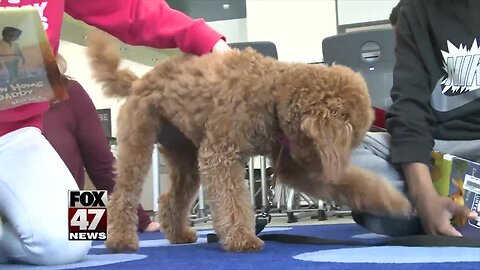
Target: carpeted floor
{"points": [[157, 253]]}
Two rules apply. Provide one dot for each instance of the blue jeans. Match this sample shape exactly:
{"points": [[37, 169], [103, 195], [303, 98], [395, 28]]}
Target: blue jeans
{"points": [[374, 155]]}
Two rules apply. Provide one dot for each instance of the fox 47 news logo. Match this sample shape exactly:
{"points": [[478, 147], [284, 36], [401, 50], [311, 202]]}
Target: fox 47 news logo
{"points": [[87, 214]]}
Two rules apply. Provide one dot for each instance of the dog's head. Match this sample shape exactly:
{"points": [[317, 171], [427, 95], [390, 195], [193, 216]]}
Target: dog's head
{"points": [[324, 112]]}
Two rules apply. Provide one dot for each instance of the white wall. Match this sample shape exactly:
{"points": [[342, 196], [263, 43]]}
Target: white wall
{"points": [[234, 30], [297, 27], [78, 69], [360, 11]]}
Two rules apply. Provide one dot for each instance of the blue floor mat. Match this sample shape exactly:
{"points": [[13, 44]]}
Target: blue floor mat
{"points": [[156, 253]]}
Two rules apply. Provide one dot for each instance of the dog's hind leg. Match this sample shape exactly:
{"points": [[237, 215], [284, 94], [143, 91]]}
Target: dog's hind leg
{"points": [[174, 205], [136, 136], [222, 168]]}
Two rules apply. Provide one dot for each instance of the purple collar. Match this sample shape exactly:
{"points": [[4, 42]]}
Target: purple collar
{"points": [[283, 140]]}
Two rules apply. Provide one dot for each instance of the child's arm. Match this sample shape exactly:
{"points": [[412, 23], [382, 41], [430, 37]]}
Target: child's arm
{"points": [[147, 23]]}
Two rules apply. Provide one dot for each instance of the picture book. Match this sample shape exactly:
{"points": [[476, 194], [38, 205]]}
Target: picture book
{"points": [[458, 179], [28, 70]]}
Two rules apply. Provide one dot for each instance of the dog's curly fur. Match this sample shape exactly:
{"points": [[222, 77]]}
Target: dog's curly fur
{"points": [[211, 113]]}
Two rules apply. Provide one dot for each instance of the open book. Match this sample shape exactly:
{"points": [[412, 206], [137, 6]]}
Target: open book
{"points": [[28, 70]]}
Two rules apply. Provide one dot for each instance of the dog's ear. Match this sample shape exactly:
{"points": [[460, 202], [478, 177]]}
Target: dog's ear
{"points": [[332, 137]]}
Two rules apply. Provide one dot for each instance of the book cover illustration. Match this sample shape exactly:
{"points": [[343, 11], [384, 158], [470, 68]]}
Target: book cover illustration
{"points": [[465, 189], [459, 180], [28, 70], [440, 171]]}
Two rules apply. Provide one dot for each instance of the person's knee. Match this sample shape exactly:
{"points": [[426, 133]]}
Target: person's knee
{"points": [[388, 225], [55, 248]]}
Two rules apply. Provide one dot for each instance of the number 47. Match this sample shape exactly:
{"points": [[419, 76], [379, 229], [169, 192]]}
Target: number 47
{"points": [[80, 218]]}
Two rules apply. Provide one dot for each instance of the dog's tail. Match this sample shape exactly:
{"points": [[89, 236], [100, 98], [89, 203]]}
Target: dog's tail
{"points": [[105, 61]]}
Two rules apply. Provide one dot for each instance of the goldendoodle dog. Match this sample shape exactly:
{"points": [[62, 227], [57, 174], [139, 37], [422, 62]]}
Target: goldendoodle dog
{"points": [[211, 113]]}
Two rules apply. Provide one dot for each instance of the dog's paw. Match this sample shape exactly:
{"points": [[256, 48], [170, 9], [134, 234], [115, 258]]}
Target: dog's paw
{"points": [[188, 235], [242, 242], [399, 205], [121, 244], [122, 236], [390, 201]]}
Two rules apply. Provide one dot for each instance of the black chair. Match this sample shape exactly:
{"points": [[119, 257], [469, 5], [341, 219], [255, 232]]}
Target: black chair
{"points": [[266, 48], [370, 52]]}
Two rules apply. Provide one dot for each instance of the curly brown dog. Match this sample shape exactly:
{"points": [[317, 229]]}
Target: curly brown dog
{"points": [[214, 112]]}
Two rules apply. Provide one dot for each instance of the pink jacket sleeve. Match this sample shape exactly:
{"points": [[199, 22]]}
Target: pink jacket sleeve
{"points": [[149, 23]]}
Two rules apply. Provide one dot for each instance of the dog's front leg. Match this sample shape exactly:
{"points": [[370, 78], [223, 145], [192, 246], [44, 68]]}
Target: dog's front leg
{"points": [[223, 171], [366, 191]]}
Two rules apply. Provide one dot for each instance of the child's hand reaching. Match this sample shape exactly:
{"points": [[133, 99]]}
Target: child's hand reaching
{"points": [[436, 213], [221, 47]]}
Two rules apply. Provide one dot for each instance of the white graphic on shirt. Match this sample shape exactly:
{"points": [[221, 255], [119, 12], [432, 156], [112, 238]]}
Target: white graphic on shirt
{"points": [[462, 80], [41, 7], [462, 66]]}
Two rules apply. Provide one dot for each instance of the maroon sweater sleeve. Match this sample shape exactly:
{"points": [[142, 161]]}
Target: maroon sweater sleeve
{"points": [[96, 155], [93, 144]]}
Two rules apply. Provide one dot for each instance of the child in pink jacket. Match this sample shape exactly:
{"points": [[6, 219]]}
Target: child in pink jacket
{"points": [[33, 178]]}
